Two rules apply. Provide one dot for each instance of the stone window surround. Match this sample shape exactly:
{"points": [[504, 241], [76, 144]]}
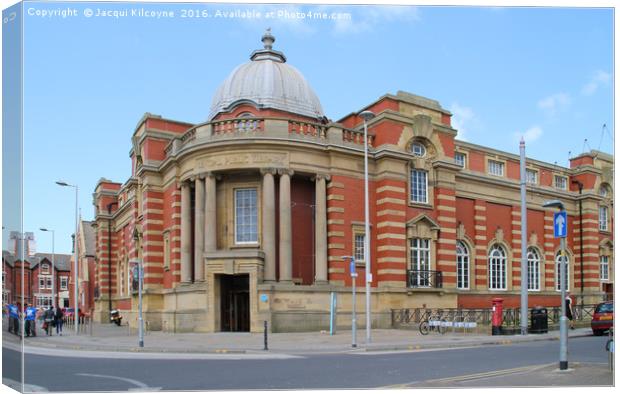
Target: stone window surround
{"points": [[601, 264], [601, 209], [508, 267], [167, 250], [229, 191], [465, 157], [606, 249], [536, 176], [257, 191], [66, 283], [357, 229], [557, 176], [422, 163], [496, 160], [569, 273], [422, 228], [468, 247], [541, 266]]}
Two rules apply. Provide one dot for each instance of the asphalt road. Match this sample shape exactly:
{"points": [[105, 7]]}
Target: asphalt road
{"points": [[333, 371]]}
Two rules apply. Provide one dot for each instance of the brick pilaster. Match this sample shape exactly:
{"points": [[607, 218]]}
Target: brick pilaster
{"points": [[446, 244], [390, 233], [480, 239]]}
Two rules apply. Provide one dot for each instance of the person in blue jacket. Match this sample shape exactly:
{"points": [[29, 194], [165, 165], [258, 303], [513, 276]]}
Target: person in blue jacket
{"points": [[30, 315], [14, 318]]}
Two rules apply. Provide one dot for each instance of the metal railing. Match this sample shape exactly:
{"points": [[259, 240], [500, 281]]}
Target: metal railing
{"points": [[401, 318], [424, 278]]}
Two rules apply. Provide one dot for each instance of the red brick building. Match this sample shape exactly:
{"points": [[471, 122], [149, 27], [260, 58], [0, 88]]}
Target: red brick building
{"points": [[245, 217], [40, 271]]}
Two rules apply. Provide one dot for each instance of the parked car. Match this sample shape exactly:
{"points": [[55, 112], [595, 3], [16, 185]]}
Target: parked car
{"points": [[69, 313], [603, 318]]}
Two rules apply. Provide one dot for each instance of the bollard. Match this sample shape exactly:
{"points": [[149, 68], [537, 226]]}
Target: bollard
{"points": [[266, 347]]}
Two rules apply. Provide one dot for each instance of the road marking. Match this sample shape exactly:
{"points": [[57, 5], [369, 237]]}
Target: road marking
{"points": [[28, 388], [411, 349], [140, 386], [490, 374], [60, 352]]}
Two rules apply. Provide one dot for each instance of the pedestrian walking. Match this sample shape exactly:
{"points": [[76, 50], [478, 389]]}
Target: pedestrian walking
{"points": [[59, 317], [569, 311], [49, 320], [14, 318], [30, 314]]}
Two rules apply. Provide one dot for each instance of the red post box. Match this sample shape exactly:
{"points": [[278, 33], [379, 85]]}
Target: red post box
{"points": [[496, 316]]}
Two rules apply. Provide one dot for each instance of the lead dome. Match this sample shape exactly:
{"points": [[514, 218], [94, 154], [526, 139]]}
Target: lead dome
{"points": [[267, 82]]}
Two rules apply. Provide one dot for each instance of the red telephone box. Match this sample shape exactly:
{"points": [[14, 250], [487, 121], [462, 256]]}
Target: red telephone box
{"points": [[496, 317]]}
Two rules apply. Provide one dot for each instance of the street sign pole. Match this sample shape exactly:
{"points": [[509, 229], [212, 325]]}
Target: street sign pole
{"points": [[563, 318], [140, 321], [524, 263], [560, 230], [353, 307]]}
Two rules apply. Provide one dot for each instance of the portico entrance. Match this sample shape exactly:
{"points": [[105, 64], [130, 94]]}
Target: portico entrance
{"points": [[235, 302]]}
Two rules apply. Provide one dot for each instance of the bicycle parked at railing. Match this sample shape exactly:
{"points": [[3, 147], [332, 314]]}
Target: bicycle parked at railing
{"points": [[433, 323]]}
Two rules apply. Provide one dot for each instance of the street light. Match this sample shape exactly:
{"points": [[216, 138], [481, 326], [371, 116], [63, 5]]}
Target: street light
{"points": [[563, 261], [367, 115], [75, 259], [53, 258], [139, 266]]}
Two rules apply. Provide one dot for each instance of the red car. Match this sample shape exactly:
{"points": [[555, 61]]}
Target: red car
{"points": [[603, 318], [69, 312]]}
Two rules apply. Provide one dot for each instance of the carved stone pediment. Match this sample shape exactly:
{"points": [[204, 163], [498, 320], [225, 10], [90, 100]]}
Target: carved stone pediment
{"points": [[422, 226]]}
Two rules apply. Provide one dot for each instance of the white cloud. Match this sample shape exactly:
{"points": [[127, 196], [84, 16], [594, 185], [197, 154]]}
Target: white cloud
{"points": [[599, 78], [530, 135], [462, 117], [554, 103]]}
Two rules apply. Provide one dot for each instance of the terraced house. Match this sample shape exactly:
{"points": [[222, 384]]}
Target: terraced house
{"points": [[246, 217]]}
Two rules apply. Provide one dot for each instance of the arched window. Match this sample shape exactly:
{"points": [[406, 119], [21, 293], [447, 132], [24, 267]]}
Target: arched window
{"points": [[533, 269], [558, 259], [462, 265], [497, 268], [418, 149]]}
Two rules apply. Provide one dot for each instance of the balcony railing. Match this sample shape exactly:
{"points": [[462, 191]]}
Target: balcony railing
{"points": [[424, 279]]}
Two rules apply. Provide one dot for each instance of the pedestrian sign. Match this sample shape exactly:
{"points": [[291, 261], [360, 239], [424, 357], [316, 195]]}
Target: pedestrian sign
{"points": [[352, 269], [560, 224]]}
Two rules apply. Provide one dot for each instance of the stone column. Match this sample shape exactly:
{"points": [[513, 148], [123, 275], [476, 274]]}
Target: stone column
{"points": [[199, 227], [186, 233], [286, 248], [269, 224], [211, 213], [320, 228]]}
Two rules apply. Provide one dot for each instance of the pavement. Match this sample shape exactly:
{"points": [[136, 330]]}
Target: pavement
{"points": [[110, 338]]}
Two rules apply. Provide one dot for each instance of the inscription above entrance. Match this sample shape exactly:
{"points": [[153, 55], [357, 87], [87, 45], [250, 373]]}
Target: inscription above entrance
{"points": [[243, 160]]}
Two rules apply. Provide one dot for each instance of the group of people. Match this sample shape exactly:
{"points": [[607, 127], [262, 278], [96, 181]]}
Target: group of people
{"points": [[48, 318]]}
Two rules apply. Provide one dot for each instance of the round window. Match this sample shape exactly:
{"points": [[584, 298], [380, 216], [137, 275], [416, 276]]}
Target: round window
{"points": [[418, 149]]}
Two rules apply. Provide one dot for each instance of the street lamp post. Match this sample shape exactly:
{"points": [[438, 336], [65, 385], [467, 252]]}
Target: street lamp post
{"points": [[53, 265], [75, 258], [367, 115], [140, 267], [563, 262]]}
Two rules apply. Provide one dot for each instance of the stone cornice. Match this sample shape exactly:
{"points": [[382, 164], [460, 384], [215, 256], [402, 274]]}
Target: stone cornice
{"points": [[515, 157]]}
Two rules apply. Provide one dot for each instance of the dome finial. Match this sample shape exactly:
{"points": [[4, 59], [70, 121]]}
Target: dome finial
{"points": [[268, 39]]}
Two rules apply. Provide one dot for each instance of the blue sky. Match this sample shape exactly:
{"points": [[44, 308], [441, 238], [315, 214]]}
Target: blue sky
{"points": [[546, 73]]}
